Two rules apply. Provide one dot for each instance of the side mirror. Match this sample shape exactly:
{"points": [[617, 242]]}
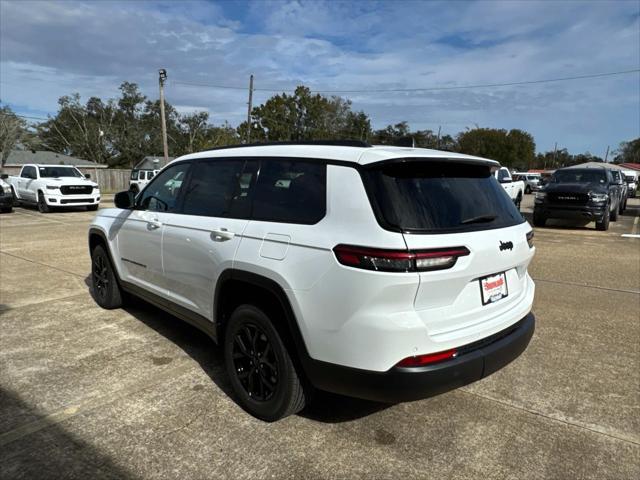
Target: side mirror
{"points": [[4, 176], [125, 200], [87, 175]]}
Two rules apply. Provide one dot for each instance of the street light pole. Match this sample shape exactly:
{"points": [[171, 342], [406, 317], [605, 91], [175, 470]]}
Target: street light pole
{"points": [[161, 79]]}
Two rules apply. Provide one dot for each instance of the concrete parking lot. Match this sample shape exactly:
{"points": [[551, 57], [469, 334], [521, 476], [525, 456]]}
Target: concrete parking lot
{"points": [[135, 393]]}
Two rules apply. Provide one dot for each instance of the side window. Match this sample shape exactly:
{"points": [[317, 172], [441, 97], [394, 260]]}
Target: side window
{"points": [[162, 194], [503, 175], [220, 188], [29, 172], [291, 191]]}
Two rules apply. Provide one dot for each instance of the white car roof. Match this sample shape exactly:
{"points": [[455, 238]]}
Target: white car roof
{"points": [[356, 155]]}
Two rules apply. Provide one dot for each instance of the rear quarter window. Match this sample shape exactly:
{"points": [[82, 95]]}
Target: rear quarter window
{"points": [[290, 191], [438, 197]]}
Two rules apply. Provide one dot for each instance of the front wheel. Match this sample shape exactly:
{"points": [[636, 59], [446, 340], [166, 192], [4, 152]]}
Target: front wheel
{"points": [[42, 204], [539, 220], [259, 366], [603, 225], [104, 285], [614, 213]]}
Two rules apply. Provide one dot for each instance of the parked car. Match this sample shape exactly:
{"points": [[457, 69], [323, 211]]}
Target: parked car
{"points": [[514, 188], [618, 179], [6, 199], [578, 193], [531, 181], [140, 178], [54, 186], [383, 273], [631, 178]]}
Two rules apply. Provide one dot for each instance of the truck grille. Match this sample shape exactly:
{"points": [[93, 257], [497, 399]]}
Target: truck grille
{"points": [[569, 198], [76, 189]]}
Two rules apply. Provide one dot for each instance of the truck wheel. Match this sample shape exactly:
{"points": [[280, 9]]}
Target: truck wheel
{"points": [[527, 189], [104, 286], [6, 210], [518, 200], [603, 225], [16, 200], [539, 220], [614, 213], [261, 371], [42, 204]]}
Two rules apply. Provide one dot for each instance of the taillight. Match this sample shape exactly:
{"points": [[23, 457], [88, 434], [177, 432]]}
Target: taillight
{"points": [[399, 260], [427, 359], [530, 239]]}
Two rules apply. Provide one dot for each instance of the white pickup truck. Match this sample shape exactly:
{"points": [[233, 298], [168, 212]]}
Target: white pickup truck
{"points": [[54, 186], [515, 189]]}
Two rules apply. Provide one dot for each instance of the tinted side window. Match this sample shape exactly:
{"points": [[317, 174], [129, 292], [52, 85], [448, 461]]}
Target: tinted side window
{"points": [[503, 175], [161, 195], [29, 172], [291, 191], [220, 188]]}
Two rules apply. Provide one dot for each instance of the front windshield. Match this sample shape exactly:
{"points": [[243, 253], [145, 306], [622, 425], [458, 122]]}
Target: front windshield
{"points": [[55, 172], [579, 176]]}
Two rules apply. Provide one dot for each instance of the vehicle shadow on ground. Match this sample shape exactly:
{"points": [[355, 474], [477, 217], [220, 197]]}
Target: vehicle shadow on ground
{"points": [[41, 448], [561, 223], [325, 407]]}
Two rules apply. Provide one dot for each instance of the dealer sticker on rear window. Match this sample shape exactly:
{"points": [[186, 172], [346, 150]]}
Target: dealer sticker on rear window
{"points": [[493, 288]]}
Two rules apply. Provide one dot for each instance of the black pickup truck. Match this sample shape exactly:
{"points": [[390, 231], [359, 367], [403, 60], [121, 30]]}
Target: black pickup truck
{"points": [[579, 193]]}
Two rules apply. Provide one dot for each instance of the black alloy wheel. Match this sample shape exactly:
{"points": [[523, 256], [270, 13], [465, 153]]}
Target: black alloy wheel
{"points": [[99, 272], [255, 362], [260, 367], [105, 288]]}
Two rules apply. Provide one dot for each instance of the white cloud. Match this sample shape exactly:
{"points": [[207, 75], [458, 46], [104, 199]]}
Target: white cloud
{"points": [[51, 49]]}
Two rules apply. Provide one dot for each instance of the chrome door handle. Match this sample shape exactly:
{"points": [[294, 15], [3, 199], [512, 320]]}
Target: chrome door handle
{"points": [[154, 224], [222, 235]]}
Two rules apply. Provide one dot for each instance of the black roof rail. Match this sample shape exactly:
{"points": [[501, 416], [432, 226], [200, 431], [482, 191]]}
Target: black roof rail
{"points": [[333, 143]]}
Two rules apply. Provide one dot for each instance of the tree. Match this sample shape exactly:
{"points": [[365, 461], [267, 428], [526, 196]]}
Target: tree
{"points": [[511, 149], [305, 116], [12, 130], [628, 152]]}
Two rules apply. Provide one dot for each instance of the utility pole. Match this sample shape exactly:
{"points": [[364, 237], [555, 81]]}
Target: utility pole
{"points": [[162, 77], [606, 155], [250, 103]]}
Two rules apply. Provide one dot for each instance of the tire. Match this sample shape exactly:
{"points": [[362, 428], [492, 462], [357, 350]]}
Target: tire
{"points": [[518, 201], [42, 204], [259, 366], [614, 213], [527, 190], [539, 220], [603, 225], [16, 200], [104, 285], [92, 208]]}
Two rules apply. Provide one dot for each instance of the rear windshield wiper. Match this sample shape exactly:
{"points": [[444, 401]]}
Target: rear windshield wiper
{"points": [[479, 219]]}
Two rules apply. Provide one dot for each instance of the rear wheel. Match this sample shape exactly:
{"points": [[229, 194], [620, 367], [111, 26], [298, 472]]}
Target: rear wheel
{"points": [[42, 204], [261, 371], [539, 220], [603, 224], [105, 288]]}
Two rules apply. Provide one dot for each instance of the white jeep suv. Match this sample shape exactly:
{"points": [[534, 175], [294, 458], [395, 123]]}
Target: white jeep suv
{"points": [[383, 273]]}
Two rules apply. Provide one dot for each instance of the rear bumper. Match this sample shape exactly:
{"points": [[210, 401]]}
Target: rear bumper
{"points": [[586, 212], [475, 361]]}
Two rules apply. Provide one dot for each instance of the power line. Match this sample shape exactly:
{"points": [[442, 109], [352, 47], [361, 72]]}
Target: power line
{"points": [[421, 89]]}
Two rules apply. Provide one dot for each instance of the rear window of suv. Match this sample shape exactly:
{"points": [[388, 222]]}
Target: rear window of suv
{"points": [[439, 197]]}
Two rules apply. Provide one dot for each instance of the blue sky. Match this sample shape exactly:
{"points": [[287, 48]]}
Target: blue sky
{"points": [[50, 49]]}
